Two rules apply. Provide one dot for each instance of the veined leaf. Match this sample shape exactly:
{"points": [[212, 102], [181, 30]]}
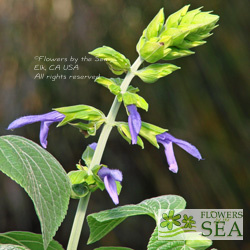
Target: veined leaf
{"points": [[26, 240], [201, 243], [42, 177], [103, 222], [12, 247]]}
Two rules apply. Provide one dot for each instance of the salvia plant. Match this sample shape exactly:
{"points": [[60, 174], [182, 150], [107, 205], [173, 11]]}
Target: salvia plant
{"points": [[46, 181]]}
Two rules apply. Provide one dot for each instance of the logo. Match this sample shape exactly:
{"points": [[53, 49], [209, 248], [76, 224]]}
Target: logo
{"points": [[218, 224]]}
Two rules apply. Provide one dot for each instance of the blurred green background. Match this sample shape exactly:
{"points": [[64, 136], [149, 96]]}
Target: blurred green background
{"points": [[206, 103]]}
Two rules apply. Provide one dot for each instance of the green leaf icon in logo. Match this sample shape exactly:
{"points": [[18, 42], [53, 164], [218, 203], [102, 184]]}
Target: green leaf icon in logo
{"points": [[170, 220], [188, 221]]}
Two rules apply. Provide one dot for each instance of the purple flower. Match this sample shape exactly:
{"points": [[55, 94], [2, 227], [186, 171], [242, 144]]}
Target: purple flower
{"points": [[109, 177], [134, 122], [167, 141], [45, 119], [93, 145]]}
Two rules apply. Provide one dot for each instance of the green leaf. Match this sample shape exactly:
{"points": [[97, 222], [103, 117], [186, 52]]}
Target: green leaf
{"points": [[103, 222], [26, 240], [155, 244], [117, 62], [198, 241], [12, 247], [149, 132], [155, 26], [201, 243], [113, 248], [42, 177], [153, 72], [123, 129], [81, 112], [138, 101]]}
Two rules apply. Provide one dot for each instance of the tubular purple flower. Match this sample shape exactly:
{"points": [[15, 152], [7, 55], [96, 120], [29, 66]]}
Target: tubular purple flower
{"points": [[167, 141], [109, 177], [134, 122], [45, 119]]}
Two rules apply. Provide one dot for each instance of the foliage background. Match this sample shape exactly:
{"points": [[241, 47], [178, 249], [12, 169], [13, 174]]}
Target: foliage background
{"points": [[206, 103]]}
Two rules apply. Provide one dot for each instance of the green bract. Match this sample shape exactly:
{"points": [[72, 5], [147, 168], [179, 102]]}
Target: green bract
{"points": [[81, 112], [154, 49], [88, 155], [123, 129], [108, 83], [149, 132], [84, 181], [88, 128], [113, 84], [153, 72], [132, 98], [182, 31], [155, 26], [116, 61]]}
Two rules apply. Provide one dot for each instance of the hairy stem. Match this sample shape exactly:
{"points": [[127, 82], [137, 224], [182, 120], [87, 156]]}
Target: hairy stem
{"points": [[101, 144]]}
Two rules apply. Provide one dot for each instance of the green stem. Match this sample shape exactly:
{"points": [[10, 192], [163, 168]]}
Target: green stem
{"points": [[78, 222], [101, 144], [112, 115]]}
